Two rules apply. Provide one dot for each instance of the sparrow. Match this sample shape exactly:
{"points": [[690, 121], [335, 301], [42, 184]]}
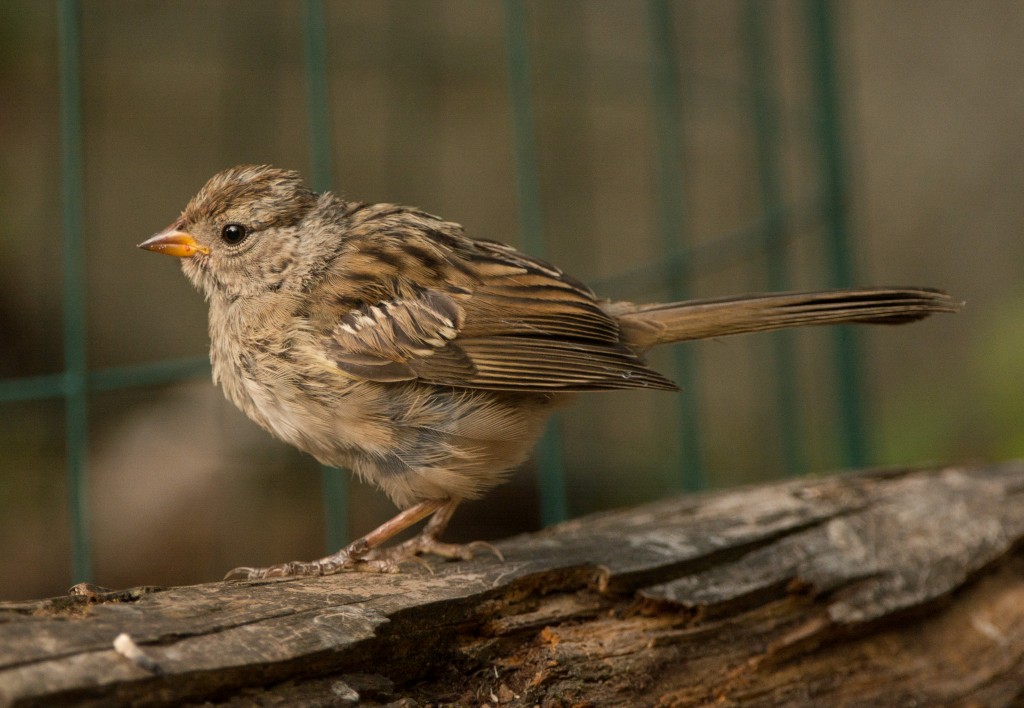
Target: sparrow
{"points": [[382, 339]]}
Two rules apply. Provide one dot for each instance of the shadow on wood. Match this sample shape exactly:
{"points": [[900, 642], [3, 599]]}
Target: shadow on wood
{"points": [[892, 586]]}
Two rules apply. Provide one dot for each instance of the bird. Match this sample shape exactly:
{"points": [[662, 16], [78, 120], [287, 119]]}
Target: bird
{"points": [[382, 339]]}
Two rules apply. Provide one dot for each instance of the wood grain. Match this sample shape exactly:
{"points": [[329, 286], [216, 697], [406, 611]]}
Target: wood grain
{"points": [[894, 587]]}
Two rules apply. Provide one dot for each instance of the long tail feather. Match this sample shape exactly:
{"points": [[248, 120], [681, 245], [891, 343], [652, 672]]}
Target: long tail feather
{"points": [[644, 326]]}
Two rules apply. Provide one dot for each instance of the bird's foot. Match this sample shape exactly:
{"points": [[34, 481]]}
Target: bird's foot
{"points": [[365, 555], [353, 557], [427, 543]]}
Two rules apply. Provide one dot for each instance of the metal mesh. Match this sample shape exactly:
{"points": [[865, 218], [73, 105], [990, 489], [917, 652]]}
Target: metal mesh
{"points": [[768, 236]]}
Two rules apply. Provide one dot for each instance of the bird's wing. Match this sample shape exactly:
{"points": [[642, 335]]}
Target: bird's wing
{"points": [[522, 325], [400, 339]]}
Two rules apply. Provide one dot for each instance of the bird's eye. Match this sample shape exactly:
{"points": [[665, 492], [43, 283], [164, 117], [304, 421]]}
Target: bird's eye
{"points": [[233, 233]]}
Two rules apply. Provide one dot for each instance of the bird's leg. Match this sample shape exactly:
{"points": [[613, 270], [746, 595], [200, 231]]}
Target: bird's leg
{"points": [[357, 555], [428, 542]]}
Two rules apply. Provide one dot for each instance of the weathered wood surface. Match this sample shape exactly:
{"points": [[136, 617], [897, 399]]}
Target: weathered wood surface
{"points": [[880, 588]]}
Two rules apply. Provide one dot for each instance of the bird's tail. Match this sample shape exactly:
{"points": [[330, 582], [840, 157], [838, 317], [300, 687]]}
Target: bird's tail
{"points": [[644, 326]]}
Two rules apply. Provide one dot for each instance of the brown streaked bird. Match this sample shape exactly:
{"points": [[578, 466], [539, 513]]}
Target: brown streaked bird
{"points": [[381, 338]]}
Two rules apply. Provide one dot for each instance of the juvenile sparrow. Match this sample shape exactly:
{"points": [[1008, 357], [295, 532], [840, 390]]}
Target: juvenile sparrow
{"points": [[381, 338]]}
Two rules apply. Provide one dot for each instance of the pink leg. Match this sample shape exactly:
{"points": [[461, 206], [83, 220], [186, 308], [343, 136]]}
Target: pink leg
{"points": [[428, 542]]}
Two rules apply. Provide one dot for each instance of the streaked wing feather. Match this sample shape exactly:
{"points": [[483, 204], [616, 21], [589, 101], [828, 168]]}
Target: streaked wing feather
{"points": [[528, 364], [383, 341], [523, 325]]}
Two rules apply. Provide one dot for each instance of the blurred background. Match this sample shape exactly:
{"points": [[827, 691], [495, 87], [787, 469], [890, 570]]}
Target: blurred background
{"points": [[655, 150]]}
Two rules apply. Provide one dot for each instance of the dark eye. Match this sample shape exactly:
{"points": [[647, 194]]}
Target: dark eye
{"points": [[233, 233]]}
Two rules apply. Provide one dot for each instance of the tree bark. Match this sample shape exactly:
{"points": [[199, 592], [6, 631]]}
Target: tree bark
{"points": [[900, 587]]}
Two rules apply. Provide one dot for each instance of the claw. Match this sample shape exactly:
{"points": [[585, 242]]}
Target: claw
{"points": [[414, 558], [489, 547]]}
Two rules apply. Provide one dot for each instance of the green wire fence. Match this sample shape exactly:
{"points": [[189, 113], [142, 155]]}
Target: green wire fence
{"points": [[767, 236]]}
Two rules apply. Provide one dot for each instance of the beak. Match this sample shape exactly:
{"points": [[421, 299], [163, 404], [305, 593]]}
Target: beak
{"points": [[174, 242]]}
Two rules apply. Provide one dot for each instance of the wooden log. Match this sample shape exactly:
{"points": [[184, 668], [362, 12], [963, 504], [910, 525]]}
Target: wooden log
{"points": [[894, 587]]}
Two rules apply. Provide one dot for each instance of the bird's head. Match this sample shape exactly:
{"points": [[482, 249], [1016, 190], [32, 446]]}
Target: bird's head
{"points": [[241, 234]]}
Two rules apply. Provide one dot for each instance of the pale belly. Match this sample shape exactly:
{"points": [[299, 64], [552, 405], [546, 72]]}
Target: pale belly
{"points": [[414, 441]]}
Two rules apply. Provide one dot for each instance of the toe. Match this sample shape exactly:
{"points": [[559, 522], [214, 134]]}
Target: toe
{"points": [[489, 547]]}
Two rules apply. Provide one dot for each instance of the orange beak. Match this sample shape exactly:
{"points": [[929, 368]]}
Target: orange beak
{"points": [[172, 241]]}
